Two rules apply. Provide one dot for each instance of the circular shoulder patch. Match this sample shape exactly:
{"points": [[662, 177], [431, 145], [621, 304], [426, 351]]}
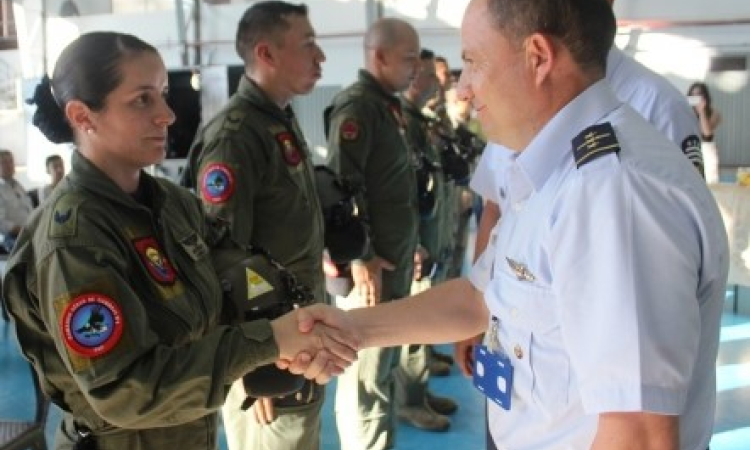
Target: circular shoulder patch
{"points": [[218, 182], [349, 130], [92, 324]]}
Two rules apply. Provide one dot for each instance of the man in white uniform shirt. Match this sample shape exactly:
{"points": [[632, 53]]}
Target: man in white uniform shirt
{"points": [[603, 301], [650, 94], [15, 204]]}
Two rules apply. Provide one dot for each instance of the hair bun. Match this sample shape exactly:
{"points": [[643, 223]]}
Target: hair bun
{"points": [[48, 116]]}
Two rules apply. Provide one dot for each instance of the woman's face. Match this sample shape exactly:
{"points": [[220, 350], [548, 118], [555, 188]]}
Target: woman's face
{"points": [[130, 132]]}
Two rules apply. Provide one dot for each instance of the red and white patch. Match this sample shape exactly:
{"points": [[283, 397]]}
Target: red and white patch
{"points": [[349, 130], [153, 258], [92, 324], [289, 150], [218, 183]]}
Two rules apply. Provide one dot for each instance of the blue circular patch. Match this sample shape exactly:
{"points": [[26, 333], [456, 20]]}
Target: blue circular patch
{"points": [[92, 324], [217, 184]]}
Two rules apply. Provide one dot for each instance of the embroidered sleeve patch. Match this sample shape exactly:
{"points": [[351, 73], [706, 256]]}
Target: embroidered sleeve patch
{"points": [[92, 325], [155, 261], [289, 150], [593, 142], [218, 183], [349, 130]]}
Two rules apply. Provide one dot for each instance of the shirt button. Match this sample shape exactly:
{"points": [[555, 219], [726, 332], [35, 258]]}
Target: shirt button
{"points": [[518, 351]]}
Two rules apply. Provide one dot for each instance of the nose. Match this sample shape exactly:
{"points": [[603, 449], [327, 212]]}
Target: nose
{"points": [[463, 88], [166, 116], [321, 57]]}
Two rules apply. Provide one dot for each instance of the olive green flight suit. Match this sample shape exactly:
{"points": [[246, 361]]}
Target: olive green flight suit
{"points": [[252, 168], [366, 139], [117, 305], [413, 373]]}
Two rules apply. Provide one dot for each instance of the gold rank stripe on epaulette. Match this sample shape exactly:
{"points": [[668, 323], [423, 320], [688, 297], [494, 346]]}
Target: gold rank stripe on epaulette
{"points": [[593, 142]]}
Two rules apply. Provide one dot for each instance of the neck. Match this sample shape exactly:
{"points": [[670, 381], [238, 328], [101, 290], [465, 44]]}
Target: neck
{"points": [[121, 173], [280, 97], [378, 75]]}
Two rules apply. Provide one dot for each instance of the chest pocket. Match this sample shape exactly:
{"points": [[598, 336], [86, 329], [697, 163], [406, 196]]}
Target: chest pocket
{"points": [[534, 342]]}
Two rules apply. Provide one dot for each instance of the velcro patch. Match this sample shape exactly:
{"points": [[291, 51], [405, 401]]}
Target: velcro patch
{"points": [[64, 219], [593, 142], [289, 150], [92, 324], [218, 183], [153, 258], [349, 130]]}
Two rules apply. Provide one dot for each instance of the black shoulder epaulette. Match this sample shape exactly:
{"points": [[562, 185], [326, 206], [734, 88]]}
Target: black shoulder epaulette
{"points": [[593, 142]]}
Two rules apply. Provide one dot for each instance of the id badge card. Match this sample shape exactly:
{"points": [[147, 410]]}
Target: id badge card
{"points": [[493, 375]]}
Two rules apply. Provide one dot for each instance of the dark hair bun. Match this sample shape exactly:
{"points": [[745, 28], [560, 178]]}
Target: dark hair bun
{"points": [[48, 116]]}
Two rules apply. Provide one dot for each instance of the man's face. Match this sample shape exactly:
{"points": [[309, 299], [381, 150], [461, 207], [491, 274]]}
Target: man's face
{"points": [[443, 73], [56, 170], [299, 56], [493, 78], [425, 84], [401, 62], [7, 166]]}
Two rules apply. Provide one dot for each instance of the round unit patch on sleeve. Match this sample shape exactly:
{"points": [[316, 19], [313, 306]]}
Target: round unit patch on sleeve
{"points": [[349, 130], [218, 183], [92, 324]]}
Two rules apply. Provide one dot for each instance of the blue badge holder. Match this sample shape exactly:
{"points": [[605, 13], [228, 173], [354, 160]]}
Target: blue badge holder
{"points": [[493, 375]]}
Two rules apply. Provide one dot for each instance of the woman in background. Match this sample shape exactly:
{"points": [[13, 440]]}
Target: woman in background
{"points": [[709, 120]]}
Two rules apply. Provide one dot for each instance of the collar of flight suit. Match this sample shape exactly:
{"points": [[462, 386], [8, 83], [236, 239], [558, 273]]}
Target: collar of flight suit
{"points": [[85, 174], [366, 79], [250, 91]]}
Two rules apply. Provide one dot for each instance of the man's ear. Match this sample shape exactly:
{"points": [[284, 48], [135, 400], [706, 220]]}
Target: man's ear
{"points": [[540, 56], [263, 52], [79, 116]]}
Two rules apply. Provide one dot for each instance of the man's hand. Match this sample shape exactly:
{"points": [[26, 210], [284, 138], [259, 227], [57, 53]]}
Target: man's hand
{"points": [[368, 279], [263, 411], [318, 367], [420, 256], [463, 352], [318, 351]]}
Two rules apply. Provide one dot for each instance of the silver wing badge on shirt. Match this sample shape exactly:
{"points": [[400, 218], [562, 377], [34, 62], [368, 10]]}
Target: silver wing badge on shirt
{"points": [[522, 272]]}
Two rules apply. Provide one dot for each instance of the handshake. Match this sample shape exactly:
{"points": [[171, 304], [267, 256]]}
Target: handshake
{"points": [[317, 342]]}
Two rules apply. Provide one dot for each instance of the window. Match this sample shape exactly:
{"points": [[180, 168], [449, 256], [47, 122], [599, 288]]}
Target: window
{"points": [[8, 35]]}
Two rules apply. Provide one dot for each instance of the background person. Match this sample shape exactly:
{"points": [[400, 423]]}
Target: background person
{"points": [[111, 285], [15, 204], [709, 119], [367, 145], [418, 406], [55, 167], [269, 197]]}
